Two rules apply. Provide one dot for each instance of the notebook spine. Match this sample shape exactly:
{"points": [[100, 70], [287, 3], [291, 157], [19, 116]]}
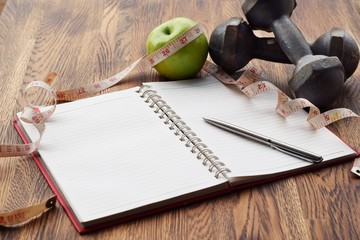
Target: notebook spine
{"points": [[183, 131]]}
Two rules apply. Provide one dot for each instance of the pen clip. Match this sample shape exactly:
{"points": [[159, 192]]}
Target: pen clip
{"points": [[296, 154]]}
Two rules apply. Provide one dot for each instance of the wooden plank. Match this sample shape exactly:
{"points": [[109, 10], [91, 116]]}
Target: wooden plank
{"points": [[89, 40]]}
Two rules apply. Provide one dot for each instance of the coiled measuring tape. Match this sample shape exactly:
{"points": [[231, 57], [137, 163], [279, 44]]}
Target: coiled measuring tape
{"points": [[251, 83], [33, 114]]}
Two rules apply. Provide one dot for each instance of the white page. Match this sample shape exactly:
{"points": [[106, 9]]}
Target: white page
{"points": [[112, 153], [198, 98]]}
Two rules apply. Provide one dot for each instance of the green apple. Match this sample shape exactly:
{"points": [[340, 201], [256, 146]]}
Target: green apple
{"points": [[186, 62]]}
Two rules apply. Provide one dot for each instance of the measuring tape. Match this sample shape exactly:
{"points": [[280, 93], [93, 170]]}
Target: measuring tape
{"points": [[33, 114], [24, 215], [356, 167], [251, 83], [150, 60]]}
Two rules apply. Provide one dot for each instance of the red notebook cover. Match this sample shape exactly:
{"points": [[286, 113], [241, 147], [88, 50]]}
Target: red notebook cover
{"points": [[83, 230], [70, 213]]}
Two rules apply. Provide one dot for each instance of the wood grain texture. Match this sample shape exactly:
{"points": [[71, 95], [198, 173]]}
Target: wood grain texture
{"points": [[89, 40], [2, 5]]}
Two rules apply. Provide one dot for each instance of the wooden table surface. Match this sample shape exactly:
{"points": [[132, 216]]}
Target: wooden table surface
{"points": [[89, 40]]}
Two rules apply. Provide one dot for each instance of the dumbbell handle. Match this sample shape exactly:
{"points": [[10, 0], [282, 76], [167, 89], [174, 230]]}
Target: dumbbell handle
{"points": [[294, 50], [269, 50], [317, 78], [233, 44], [336, 42]]}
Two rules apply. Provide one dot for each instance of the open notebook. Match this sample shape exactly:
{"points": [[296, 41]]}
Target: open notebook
{"points": [[126, 154]]}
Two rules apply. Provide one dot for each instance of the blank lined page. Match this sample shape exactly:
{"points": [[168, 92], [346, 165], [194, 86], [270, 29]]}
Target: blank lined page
{"points": [[198, 98], [112, 153]]}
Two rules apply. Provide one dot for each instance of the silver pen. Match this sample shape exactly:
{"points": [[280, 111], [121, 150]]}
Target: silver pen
{"points": [[275, 144]]}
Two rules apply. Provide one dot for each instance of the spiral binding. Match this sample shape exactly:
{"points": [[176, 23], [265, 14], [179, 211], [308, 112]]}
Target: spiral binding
{"points": [[179, 127]]}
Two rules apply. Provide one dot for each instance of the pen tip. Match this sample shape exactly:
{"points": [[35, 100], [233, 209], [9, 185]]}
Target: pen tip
{"points": [[206, 119]]}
